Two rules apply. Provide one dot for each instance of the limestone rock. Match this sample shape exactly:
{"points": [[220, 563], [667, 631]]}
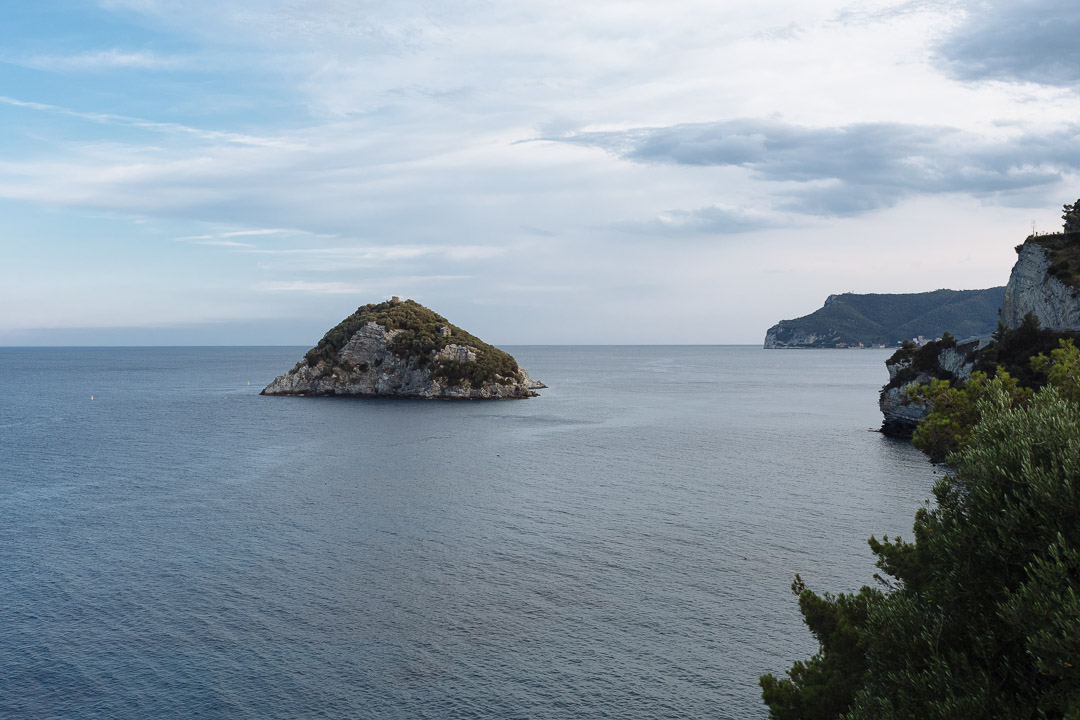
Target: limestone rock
{"points": [[1033, 288], [901, 413]]}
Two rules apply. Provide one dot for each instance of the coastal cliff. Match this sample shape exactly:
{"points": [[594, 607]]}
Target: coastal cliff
{"points": [[403, 349], [1044, 283], [1040, 306]]}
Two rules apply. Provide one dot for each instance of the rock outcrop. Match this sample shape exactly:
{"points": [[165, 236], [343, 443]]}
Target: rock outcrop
{"points": [[781, 336], [1044, 285], [909, 367], [1039, 283], [402, 349]]}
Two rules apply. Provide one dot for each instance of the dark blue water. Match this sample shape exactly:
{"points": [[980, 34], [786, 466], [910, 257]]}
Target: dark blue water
{"points": [[621, 547]]}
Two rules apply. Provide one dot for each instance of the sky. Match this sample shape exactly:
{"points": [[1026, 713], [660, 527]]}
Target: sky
{"points": [[220, 172]]}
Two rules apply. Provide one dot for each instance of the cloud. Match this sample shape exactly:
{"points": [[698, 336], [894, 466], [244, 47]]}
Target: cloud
{"points": [[224, 243], [1031, 41], [246, 233], [321, 288], [346, 258], [103, 60], [868, 13], [711, 220], [162, 127], [847, 170], [347, 288]]}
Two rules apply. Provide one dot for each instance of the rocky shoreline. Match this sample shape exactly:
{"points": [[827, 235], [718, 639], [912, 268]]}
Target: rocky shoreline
{"points": [[1033, 290]]}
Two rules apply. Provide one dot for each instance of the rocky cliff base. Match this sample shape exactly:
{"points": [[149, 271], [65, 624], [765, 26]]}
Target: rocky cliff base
{"points": [[910, 366]]}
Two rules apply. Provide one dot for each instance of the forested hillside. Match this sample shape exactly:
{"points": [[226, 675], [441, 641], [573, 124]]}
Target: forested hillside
{"points": [[887, 319]]}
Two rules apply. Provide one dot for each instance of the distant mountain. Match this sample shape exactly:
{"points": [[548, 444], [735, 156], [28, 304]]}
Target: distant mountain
{"points": [[887, 319]]}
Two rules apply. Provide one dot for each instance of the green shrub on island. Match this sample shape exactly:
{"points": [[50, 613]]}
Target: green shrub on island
{"points": [[979, 617], [421, 337]]}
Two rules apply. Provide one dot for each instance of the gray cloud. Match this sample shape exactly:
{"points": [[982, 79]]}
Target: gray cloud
{"points": [[856, 168], [712, 220], [1031, 41]]}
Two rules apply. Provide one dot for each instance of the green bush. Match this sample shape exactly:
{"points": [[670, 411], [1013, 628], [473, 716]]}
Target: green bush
{"points": [[1063, 252], [980, 616]]}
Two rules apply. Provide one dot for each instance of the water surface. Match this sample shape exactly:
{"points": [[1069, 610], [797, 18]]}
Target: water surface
{"points": [[621, 547]]}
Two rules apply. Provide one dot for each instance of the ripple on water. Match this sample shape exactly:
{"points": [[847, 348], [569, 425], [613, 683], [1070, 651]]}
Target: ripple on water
{"points": [[620, 547]]}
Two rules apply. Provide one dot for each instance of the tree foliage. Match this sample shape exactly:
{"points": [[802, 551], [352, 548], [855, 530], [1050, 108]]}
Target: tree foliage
{"points": [[954, 408], [1070, 213], [1013, 348], [1061, 368], [824, 685], [954, 411], [981, 613]]}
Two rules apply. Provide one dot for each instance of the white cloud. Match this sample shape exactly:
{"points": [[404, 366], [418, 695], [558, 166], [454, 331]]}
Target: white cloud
{"points": [[112, 59], [245, 233], [363, 289], [224, 243], [362, 146], [133, 122]]}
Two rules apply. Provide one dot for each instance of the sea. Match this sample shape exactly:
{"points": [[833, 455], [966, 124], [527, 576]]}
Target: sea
{"points": [[174, 545]]}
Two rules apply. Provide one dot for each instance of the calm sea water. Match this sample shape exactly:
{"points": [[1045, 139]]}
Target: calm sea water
{"points": [[621, 547]]}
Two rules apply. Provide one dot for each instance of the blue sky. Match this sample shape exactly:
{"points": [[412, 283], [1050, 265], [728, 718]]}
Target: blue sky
{"points": [[539, 172]]}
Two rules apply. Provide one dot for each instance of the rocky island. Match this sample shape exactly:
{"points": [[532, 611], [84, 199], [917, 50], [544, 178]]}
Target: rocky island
{"points": [[402, 349], [1040, 307]]}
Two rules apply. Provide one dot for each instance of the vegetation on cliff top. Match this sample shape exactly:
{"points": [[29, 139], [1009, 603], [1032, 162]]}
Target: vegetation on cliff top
{"points": [[954, 407], [1063, 252], [1012, 355], [419, 339], [925, 360]]}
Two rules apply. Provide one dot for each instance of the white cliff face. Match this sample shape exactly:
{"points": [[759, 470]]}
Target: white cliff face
{"points": [[901, 413], [780, 336], [368, 367], [1032, 289]]}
